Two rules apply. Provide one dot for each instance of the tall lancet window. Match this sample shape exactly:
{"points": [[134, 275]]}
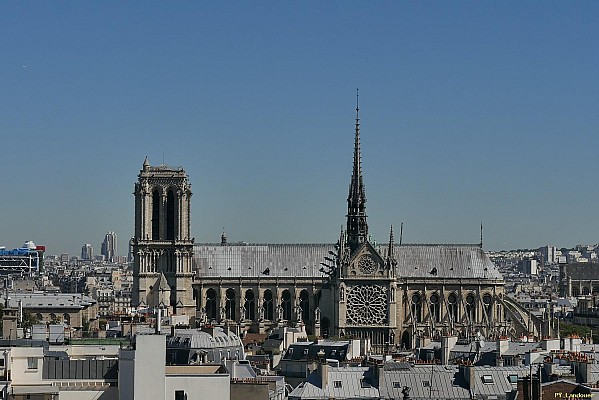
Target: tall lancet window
{"points": [[268, 305], [286, 304], [230, 304], [170, 215], [211, 304], [155, 215], [249, 306], [435, 310]]}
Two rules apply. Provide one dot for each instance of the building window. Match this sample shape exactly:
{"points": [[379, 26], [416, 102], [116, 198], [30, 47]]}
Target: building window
{"points": [[268, 305], [170, 215], [31, 363], [416, 308], [435, 307], [180, 395], [337, 384], [155, 215], [250, 312], [305, 305], [286, 304], [211, 304], [488, 302], [230, 304], [471, 307], [396, 385], [426, 383], [487, 379], [452, 305]]}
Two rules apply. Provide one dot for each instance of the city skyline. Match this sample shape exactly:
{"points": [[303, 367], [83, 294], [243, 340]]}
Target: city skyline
{"points": [[470, 113]]}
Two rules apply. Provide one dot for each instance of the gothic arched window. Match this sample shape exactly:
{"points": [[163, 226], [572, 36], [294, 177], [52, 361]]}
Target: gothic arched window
{"points": [[304, 303], [471, 307], [286, 304], [211, 304], [230, 304], [417, 307], [250, 312], [170, 215], [435, 307], [453, 306], [155, 215], [268, 306], [488, 303]]}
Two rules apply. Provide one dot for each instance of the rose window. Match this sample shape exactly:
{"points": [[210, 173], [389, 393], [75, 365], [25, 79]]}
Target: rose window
{"points": [[367, 265], [367, 305]]}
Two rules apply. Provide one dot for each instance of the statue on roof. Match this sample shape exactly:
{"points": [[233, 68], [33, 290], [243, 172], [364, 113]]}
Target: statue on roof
{"points": [[298, 313]]}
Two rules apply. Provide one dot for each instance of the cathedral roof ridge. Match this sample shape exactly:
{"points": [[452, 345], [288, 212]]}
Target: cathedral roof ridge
{"points": [[241, 244], [440, 244]]}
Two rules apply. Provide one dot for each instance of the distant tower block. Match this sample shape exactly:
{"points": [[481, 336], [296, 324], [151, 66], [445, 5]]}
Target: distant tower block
{"points": [[162, 247]]}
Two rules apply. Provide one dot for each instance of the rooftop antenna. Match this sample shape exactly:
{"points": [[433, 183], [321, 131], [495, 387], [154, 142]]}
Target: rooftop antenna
{"points": [[400, 233]]}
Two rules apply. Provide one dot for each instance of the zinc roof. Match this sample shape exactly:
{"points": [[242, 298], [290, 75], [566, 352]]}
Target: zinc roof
{"points": [[343, 383], [425, 382]]}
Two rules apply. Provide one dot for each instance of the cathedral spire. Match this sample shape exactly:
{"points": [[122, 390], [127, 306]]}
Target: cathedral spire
{"points": [[391, 252], [391, 261], [357, 227]]}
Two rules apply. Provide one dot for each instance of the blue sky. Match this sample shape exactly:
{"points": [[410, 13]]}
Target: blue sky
{"points": [[471, 111]]}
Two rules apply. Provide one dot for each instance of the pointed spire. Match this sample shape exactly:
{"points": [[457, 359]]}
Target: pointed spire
{"points": [[391, 261], [400, 233], [356, 187], [357, 228], [146, 164], [481, 235], [391, 244]]}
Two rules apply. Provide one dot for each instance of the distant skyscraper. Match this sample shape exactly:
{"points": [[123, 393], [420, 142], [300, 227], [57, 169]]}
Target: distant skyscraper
{"points": [[87, 252], [109, 246]]}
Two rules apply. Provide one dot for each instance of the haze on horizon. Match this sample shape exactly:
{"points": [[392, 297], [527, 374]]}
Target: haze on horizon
{"points": [[470, 112]]}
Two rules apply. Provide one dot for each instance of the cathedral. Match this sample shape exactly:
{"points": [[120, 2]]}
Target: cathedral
{"points": [[393, 294]]}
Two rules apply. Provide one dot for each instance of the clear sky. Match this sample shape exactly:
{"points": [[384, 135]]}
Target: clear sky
{"points": [[471, 111]]}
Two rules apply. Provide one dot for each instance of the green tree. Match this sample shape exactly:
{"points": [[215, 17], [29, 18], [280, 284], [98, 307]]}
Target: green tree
{"points": [[29, 320]]}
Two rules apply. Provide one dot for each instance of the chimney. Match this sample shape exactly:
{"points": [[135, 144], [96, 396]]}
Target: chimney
{"points": [[447, 344], [585, 371], [503, 344], [323, 373], [549, 367], [469, 377]]}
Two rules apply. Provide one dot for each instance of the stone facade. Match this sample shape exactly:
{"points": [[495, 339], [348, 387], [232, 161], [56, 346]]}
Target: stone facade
{"points": [[162, 246]]}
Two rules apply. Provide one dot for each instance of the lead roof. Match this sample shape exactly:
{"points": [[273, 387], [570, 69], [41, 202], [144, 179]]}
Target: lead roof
{"points": [[303, 260]]}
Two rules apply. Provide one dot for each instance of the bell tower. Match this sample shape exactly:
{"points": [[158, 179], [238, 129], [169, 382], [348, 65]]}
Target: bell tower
{"points": [[162, 247]]}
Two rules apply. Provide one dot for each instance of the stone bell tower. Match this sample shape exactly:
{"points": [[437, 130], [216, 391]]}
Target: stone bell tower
{"points": [[162, 246]]}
